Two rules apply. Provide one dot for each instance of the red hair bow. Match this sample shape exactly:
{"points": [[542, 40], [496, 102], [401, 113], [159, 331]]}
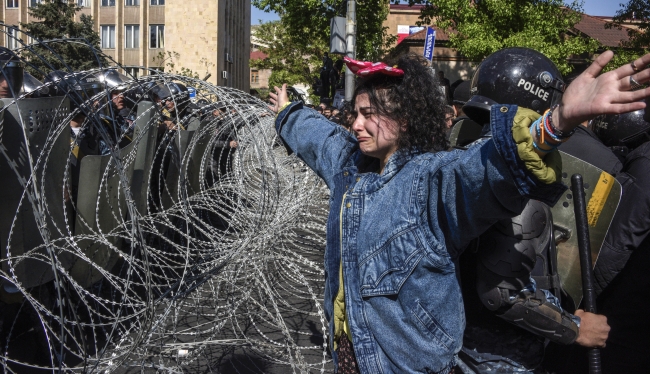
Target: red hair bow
{"points": [[366, 68]]}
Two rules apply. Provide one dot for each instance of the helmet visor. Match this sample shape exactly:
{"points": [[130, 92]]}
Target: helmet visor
{"points": [[11, 78]]}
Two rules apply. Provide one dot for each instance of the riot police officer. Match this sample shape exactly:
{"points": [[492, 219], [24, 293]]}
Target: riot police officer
{"points": [[11, 79], [85, 136], [119, 114], [509, 278], [622, 284]]}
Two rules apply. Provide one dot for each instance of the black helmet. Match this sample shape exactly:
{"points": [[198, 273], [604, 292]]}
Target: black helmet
{"points": [[623, 130], [139, 91], [176, 92], [114, 80], [461, 93], [519, 76], [33, 87], [57, 86], [12, 73], [79, 87]]}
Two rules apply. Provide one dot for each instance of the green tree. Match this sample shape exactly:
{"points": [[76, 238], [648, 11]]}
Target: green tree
{"points": [[297, 42], [478, 28], [289, 62], [638, 13], [309, 22], [55, 20]]}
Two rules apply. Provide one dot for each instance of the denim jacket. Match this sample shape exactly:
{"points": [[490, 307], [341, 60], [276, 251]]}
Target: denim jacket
{"points": [[399, 233]]}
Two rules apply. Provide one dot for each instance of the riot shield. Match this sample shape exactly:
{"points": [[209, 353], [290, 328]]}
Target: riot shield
{"points": [[35, 144], [603, 194], [144, 135], [175, 153], [176, 172], [464, 132], [197, 163], [101, 210]]}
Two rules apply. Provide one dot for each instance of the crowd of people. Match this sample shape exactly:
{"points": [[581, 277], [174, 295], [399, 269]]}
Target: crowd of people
{"points": [[441, 258]]}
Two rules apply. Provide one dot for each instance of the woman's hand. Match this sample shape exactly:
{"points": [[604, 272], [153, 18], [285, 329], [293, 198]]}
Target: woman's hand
{"points": [[279, 98], [591, 94]]}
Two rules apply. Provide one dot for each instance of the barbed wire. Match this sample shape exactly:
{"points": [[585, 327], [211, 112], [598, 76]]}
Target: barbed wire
{"points": [[194, 243]]}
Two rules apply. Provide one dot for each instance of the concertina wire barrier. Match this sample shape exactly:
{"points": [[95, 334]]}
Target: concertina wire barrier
{"points": [[173, 252]]}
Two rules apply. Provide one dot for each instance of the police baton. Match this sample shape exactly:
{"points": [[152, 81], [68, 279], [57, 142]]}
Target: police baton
{"points": [[584, 248]]}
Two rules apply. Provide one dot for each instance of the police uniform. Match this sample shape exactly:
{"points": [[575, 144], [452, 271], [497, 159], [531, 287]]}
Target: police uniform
{"points": [[620, 273], [508, 274]]}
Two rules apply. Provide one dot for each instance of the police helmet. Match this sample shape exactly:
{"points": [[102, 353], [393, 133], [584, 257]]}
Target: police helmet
{"points": [[79, 87], [173, 91], [114, 80], [12, 73], [33, 87], [54, 79], [139, 91], [461, 93], [519, 76], [623, 130]]}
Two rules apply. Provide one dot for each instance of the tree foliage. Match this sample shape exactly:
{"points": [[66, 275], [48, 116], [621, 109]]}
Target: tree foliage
{"points": [[309, 22], [298, 40], [637, 12], [55, 20], [288, 62], [478, 28]]}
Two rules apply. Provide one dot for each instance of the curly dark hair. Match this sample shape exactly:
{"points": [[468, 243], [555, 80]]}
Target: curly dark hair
{"points": [[414, 99]]}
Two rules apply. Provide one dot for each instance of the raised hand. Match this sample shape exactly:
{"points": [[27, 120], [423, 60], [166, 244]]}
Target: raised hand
{"points": [[279, 98], [592, 94]]}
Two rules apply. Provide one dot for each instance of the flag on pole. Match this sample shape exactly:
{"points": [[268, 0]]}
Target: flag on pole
{"points": [[429, 42]]}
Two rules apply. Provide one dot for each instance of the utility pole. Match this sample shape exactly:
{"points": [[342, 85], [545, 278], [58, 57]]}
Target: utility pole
{"points": [[351, 46]]}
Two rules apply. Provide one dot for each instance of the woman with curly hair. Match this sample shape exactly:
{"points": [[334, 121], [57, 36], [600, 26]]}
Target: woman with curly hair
{"points": [[402, 208]]}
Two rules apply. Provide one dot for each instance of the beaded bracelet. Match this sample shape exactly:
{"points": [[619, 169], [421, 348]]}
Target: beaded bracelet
{"points": [[537, 126], [548, 130], [559, 133]]}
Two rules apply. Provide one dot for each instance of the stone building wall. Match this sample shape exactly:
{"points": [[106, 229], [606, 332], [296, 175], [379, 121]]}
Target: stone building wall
{"points": [[210, 36]]}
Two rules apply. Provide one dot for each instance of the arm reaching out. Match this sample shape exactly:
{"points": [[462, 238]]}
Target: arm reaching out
{"points": [[592, 94]]}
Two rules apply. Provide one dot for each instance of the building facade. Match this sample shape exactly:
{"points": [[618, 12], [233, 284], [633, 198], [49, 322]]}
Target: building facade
{"points": [[209, 37], [402, 17]]}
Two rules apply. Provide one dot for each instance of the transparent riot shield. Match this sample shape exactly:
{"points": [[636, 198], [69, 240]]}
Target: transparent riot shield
{"points": [[176, 154], [102, 199], [34, 149], [602, 194], [198, 160], [144, 135]]}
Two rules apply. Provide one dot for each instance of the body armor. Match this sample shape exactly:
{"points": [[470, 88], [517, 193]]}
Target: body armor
{"points": [[513, 256]]}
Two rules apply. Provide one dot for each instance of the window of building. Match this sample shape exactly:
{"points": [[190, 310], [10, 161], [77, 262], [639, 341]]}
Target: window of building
{"points": [[255, 76], [132, 2], [132, 72], [12, 3], [157, 2], [34, 2], [131, 36], [12, 34], [156, 36], [108, 2], [83, 3], [108, 36]]}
